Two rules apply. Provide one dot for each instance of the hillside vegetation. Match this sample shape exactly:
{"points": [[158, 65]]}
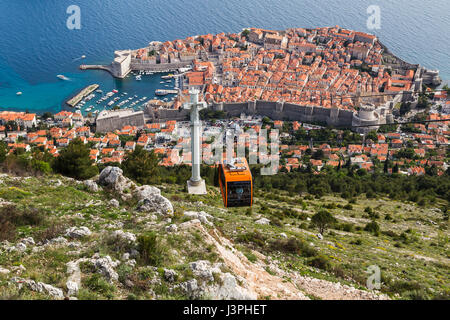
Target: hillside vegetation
{"points": [[62, 238]]}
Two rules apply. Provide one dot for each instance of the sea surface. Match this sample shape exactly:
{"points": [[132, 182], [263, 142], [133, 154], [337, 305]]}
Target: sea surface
{"points": [[36, 45]]}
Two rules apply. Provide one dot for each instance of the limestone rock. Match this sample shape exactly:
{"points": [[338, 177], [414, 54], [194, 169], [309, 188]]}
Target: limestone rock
{"points": [[146, 192], [78, 232], [263, 221], [72, 288], [28, 241], [172, 228], [202, 216], [230, 290], [156, 203], [91, 185], [112, 177], [127, 236], [4, 271], [21, 247], [189, 224], [170, 275], [114, 203], [202, 269], [39, 287], [106, 267]]}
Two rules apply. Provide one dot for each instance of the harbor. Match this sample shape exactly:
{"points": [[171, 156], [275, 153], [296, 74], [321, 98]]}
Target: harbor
{"points": [[134, 91], [82, 94]]}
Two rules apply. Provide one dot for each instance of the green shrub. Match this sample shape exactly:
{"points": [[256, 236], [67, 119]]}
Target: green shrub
{"points": [[151, 251], [347, 227], [12, 217], [255, 237], [348, 206], [97, 283], [320, 262], [293, 245], [372, 227], [357, 242]]}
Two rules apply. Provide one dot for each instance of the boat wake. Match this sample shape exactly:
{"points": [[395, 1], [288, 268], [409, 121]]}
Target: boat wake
{"points": [[79, 58]]}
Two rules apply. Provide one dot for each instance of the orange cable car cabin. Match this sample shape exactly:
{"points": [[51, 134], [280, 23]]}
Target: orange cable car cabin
{"points": [[236, 185]]}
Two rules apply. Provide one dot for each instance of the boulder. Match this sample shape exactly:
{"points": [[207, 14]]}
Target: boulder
{"points": [[4, 271], [190, 223], [126, 236], [58, 240], [105, 265], [72, 288], [91, 185], [112, 177], [190, 287], [21, 247], [78, 232], [172, 228], [156, 203], [202, 269], [170, 275], [28, 241], [146, 192], [263, 221], [39, 287], [202, 216], [229, 289], [114, 203]]}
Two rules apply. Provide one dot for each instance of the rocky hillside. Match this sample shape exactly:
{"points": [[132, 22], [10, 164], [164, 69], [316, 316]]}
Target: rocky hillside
{"points": [[109, 238]]}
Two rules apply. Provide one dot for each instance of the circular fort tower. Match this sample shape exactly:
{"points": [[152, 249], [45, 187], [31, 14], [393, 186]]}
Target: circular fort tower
{"points": [[367, 115]]}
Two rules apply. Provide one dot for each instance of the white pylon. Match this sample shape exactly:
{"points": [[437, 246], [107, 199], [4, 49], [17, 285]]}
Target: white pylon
{"points": [[196, 185]]}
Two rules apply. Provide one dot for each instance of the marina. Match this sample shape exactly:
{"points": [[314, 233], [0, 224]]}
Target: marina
{"points": [[101, 99], [82, 94]]}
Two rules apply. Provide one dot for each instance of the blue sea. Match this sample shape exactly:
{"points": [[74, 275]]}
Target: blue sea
{"points": [[36, 45]]}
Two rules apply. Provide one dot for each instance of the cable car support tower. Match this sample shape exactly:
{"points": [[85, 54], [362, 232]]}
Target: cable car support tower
{"points": [[196, 185]]}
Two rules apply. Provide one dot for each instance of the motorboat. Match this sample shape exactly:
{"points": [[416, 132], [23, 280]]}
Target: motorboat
{"points": [[62, 77]]}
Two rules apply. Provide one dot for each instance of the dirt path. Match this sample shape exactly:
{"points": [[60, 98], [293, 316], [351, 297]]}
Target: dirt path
{"points": [[265, 284], [258, 280]]}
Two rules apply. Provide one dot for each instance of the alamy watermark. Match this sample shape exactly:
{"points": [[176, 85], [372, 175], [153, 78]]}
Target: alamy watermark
{"points": [[374, 279], [374, 19], [74, 20], [262, 148]]}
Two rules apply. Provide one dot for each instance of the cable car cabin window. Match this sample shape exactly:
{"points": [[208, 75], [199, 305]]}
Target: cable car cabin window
{"points": [[239, 194]]}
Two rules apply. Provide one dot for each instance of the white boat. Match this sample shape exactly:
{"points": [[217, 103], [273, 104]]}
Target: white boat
{"points": [[138, 77], [88, 109], [60, 76], [19, 93], [83, 56]]}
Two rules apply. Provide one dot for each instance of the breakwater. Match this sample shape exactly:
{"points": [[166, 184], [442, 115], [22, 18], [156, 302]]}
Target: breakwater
{"points": [[82, 94]]}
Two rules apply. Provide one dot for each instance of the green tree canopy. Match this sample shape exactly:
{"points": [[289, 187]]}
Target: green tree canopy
{"points": [[142, 166], [322, 220], [74, 161]]}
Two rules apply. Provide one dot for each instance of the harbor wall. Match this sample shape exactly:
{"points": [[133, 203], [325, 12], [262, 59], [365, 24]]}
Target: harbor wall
{"points": [[138, 65]]}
